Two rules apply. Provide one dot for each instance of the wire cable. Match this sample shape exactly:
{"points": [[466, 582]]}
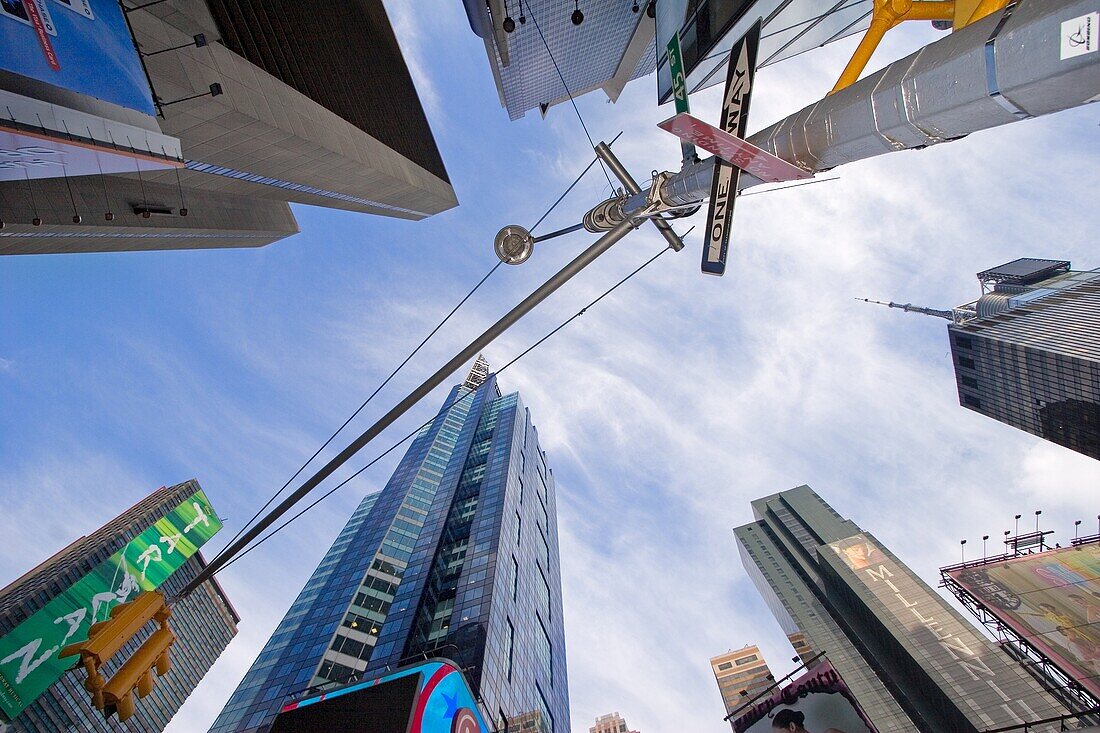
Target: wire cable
{"points": [[444, 412], [568, 93], [360, 408], [406, 360]]}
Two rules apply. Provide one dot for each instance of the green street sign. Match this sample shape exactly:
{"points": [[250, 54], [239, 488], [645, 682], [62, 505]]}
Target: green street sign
{"points": [[676, 67], [28, 654]]}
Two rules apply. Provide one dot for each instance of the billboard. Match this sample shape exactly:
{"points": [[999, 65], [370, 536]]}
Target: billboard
{"points": [[28, 654], [81, 45], [818, 701], [431, 697], [1051, 599]]}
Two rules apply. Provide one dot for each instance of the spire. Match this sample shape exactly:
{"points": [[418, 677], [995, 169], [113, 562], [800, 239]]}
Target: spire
{"points": [[479, 372], [910, 308]]}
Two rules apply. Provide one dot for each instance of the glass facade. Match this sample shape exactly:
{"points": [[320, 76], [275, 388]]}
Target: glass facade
{"points": [[414, 574], [204, 624], [1036, 364], [911, 661]]}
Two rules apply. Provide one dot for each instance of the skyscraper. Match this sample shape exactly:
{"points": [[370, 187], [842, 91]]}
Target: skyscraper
{"points": [[204, 623], [1027, 352], [741, 676], [456, 557], [610, 723], [313, 104], [1030, 355], [911, 661]]}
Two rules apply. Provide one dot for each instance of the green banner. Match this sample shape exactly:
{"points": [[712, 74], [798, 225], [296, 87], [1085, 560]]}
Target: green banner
{"points": [[28, 655], [676, 67]]}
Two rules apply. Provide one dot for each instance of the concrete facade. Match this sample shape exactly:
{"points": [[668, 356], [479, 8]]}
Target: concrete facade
{"points": [[259, 144]]}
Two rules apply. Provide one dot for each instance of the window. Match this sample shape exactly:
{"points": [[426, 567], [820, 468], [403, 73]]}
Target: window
{"points": [[966, 361], [515, 577], [511, 643], [964, 342], [972, 401], [969, 382], [519, 528], [543, 651], [725, 665], [746, 660]]}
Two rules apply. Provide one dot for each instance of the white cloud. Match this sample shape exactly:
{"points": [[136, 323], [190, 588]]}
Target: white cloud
{"points": [[665, 409]]}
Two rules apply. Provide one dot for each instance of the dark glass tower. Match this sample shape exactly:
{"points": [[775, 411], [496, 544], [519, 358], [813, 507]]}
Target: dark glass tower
{"points": [[911, 661], [204, 624], [456, 557], [1030, 356]]}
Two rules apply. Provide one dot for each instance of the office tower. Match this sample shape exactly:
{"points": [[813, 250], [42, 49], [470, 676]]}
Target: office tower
{"points": [[610, 723], [1027, 352], [616, 42], [204, 623], [911, 661], [456, 557], [232, 109], [741, 676]]}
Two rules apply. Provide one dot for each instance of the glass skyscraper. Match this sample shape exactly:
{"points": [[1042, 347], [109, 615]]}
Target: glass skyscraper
{"points": [[204, 624], [1027, 352], [456, 557], [912, 661]]}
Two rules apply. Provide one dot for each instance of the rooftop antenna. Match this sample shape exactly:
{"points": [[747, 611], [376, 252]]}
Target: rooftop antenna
{"points": [[910, 308]]}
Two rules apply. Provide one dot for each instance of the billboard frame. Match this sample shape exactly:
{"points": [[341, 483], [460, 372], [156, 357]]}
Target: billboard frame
{"points": [[1051, 676]]}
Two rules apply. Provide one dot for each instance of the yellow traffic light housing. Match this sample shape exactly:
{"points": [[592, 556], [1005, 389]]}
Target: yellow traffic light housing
{"points": [[107, 637]]}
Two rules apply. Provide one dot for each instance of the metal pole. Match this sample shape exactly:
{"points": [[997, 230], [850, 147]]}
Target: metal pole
{"points": [[582, 260], [998, 70], [632, 186]]}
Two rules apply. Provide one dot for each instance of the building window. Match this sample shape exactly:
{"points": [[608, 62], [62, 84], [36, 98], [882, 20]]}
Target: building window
{"points": [[972, 401], [969, 382], [746, 660], [519, 528], [964, 342], [725, 665], [966, 361], [511, 643], [515, 577]]}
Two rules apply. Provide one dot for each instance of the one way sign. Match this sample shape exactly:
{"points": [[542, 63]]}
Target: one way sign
{"points": [[734, 120]]}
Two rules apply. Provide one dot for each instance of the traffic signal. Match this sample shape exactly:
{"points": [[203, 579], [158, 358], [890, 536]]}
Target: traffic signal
{"points": [[107, 637]]}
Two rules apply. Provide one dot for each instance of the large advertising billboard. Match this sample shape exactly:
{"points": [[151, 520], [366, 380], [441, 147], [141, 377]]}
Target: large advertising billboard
{"points": [[28, 654], [818, 701], [430, 697], [81, 45], [963, 664], [1051, 599]]}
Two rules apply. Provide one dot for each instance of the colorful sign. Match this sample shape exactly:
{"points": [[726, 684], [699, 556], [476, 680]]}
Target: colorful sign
{"points": [[81, 45], [964, 665], [1051, 599], [817, 700], [440, 702], [28, 654]]}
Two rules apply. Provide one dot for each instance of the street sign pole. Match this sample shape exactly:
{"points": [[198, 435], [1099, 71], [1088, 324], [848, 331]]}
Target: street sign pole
{"points": [[734, 120]]}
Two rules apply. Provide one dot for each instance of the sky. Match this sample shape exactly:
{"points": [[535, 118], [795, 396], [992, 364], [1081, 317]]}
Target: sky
{"points": [[664, 410]]}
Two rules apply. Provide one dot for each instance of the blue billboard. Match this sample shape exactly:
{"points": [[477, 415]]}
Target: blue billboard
{"points": [[430, 697], [81, 45]]}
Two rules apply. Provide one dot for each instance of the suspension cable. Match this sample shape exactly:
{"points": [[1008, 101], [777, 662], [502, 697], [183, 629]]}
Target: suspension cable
{"points": [[408, 358], [442, 413], [568, 93]]}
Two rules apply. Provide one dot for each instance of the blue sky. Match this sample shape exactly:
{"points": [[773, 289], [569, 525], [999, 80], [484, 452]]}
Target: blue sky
{"points": [[664, 410]]}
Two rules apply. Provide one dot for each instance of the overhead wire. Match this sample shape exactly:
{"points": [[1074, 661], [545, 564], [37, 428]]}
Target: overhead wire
{"points": [[568, 93], [444, 412], [406, 360]]}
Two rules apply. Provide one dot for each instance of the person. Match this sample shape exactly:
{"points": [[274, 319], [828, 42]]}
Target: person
{"points": [[794, 721]]}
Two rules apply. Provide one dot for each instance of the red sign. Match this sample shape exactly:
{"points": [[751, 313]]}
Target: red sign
{"points": [[741, 153]]}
